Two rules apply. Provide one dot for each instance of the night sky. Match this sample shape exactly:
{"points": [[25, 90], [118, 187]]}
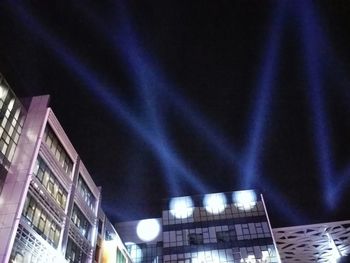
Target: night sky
{"points": [[168, 98]]}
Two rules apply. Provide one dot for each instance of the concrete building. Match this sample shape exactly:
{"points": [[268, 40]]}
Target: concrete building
{"points": [[49, 204], [220, 227]]}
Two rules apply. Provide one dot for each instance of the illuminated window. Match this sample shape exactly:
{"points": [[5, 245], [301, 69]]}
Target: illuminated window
{"points": [[12, 115], [45, 176], [136, 253], [57, 149], [47, 230], [41, 222]]}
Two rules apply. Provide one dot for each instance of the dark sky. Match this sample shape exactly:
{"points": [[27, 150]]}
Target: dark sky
{"points": [[152, 93]]}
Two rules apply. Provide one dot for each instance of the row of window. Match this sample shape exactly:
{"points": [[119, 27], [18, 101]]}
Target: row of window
{"points": [[86, 193], [8, 144], [261, 254], [57, 149], [200, 214], [146, 252], [41, 222], [216, 234], [45, 176], [81, 222], [49, 181], [11, 122]]}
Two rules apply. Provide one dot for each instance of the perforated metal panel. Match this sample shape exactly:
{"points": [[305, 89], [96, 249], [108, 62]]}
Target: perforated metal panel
{"points": [[313, 243], [32, 247]]}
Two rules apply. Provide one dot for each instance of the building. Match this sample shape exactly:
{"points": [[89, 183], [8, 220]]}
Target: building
{"points": [[50, 210], [220, 227], [230, 227], [109, 246], [326, 242], [49, 204], [148, 247]]}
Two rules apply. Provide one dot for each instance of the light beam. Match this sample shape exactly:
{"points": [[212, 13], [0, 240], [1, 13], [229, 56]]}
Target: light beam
{"points": [[105, 95], [312, 43], [260, 113]]}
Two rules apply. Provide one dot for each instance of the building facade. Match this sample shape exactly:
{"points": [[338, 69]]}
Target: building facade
{"points": [[49, 205], [221, 227], [109, 246], [149, 249], [229, 228]]}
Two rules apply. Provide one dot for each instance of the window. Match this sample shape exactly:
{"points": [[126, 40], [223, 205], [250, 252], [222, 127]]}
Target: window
{"points": [[47, 230], [12, 116], [226, 236], [120, 257], [45, 176], [100, 224], [57, 149], [44, 225], [86, 193], [42, 222], [61, 197], [73, 253], [50, 185], [195, 239], [81, 222], [30, 208]]}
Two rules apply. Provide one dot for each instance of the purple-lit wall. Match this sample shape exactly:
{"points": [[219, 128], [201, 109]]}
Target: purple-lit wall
{"points": [[17, 181]]}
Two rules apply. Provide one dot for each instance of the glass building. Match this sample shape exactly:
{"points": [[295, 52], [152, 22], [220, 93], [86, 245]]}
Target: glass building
{"points": [[222, 227], [143, 239]]}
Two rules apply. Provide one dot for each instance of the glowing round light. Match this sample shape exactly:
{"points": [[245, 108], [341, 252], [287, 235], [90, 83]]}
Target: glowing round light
{"points": [[148, 229], [244, 200], [215, 203], [134, 251], [181, 207]]}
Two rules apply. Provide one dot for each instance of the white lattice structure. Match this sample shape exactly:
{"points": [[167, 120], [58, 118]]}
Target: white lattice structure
{"points": [[326, 242]]}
